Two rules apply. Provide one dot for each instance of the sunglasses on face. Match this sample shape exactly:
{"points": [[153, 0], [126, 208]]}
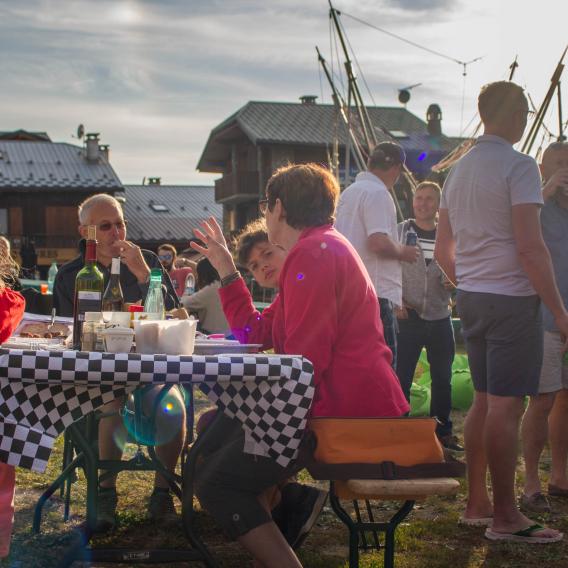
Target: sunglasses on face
{"points": [[107, 225], [166, 256]]}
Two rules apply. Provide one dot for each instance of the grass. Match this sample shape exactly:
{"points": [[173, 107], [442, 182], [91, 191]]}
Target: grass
{"points": [[430, 538]]}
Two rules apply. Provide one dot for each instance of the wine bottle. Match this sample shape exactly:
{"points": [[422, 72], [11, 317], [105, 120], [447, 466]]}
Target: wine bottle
{"points": [[113, 300], [89, 285]]}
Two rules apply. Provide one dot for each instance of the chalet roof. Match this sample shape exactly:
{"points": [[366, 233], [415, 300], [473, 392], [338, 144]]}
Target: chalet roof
{"points": [[185, 206], [22, 134], [52, 165], [310, 125]]}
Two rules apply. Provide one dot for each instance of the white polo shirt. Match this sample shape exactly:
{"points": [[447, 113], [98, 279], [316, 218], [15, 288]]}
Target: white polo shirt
{"points": [[479, 194], [366, 207]]}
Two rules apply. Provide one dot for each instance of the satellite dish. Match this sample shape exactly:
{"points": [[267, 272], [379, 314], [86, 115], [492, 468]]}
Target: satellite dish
{"points": [[404, 93], [80, 131]]}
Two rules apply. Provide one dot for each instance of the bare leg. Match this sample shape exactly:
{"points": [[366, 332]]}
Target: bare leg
{"points": [[170, 429], [111, 428], [269, 547], [559, 439], [501, 441], [478, 502], [534, 431]]}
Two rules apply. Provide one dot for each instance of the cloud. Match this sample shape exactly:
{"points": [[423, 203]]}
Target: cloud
{"points": [[423, 5]]}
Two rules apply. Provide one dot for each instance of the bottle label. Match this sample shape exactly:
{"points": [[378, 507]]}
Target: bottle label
{"points": [[88, 301]]}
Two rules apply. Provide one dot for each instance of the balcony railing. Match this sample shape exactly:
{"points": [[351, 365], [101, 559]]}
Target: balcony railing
{"points": [[45, 241], [239, 186]]}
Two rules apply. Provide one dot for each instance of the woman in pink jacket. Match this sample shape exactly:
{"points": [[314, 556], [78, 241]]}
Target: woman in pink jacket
{"points": [[327, 311], [11, 310]]}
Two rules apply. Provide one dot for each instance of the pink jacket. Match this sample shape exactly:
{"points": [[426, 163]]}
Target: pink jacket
{"points": [[327, 311]]}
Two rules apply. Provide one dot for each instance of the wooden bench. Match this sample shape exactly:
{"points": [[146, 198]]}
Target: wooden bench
{"points": [[407, 490]]}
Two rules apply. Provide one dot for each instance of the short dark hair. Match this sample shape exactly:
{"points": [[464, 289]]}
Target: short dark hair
{"points": [[253, 234], [432, 184], [206, 274], [167, 246], [499, 100], [308, 193], [386, 155]]}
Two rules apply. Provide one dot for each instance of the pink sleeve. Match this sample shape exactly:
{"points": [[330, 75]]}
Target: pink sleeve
{"points": [[246, 322], [12, 305], [310, 305]]}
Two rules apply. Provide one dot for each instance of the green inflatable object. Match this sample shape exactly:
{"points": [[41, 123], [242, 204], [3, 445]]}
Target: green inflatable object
{"points": [[419, 400], [462, 389]]}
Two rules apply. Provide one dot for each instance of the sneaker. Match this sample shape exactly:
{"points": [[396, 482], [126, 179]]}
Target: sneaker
{"points": [[106, 510], [301, 506], [450, 443], [161, 506]]}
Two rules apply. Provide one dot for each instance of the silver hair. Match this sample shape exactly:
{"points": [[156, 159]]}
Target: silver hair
{"points": [[92, 201]]}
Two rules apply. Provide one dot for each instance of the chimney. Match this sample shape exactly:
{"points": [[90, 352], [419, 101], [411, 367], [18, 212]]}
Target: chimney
{"points": [[308, 99], [434, 120], [92, 142], [154, 181], [104, 151]]}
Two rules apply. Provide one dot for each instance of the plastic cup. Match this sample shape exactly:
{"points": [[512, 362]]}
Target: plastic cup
{"points": [[43, 288]]}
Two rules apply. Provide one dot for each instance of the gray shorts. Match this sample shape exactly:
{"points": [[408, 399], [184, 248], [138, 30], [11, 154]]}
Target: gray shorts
{"points": [[554, 374], [504, 341]]}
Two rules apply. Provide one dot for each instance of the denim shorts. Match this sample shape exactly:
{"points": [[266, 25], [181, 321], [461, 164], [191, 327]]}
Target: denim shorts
{"points": [[504, 341]]}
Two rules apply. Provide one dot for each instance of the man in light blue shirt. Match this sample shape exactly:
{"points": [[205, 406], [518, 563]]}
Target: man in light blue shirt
{"points": [[489, 242]]}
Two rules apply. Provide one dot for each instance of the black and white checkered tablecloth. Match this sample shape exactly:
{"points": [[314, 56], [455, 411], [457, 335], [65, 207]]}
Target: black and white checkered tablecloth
{"points": [[42, 392]]}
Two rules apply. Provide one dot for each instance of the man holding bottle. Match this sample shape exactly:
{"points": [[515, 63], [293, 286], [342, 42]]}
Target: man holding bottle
{"points": [[105, 213]]}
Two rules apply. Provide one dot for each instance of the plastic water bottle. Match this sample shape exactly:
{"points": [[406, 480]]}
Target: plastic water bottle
{"points": [[189, 285], [411, 238], [154, 303], [7, 486], [51, 276]]}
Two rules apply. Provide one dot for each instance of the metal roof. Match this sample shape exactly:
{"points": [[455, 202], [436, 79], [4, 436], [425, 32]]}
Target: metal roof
{"points": [[186, 206], [53, 165], [309, 124]]}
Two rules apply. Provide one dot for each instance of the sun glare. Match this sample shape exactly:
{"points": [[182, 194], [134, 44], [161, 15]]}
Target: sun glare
{"points": [[127, 13]]}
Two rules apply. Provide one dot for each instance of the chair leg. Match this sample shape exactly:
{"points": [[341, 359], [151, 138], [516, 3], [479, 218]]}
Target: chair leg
{"points": [[390, 530]]}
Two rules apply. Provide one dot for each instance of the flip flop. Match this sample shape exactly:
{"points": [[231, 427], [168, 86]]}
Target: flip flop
{"points": [[475, 522], [524, 535]]}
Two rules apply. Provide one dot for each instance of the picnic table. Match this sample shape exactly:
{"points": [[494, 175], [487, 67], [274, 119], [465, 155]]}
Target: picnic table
{"points": [[44, 392]]}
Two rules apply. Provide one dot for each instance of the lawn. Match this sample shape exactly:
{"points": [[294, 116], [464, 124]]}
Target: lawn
{"points": [[430, 538]]}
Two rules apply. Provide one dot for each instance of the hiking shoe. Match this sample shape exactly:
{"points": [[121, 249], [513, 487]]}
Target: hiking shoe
{"points": [[450, 443], [106, 510], [535, 503], [301, 506], [161, 506]]}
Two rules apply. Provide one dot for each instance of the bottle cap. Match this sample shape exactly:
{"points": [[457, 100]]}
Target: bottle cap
{"points": [[93, 316], [156, 274], [92, 233], [135, 308], [115, 267]]}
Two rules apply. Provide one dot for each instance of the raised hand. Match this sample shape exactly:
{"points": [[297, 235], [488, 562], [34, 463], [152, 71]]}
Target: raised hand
{"points": [[215, 249]]}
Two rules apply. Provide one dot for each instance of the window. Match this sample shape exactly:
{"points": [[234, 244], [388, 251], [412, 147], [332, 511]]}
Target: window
{"points": [[159, 207]]}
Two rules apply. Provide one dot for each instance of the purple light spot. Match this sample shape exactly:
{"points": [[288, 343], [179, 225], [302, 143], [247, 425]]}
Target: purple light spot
{"points": [[323, 245], [422, 157], [300, 276], [248, 329]]}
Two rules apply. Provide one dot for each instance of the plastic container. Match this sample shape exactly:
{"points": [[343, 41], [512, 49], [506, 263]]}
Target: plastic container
{"points": [[172, 337], [121, 319], [93, 326], [118, 339], [51, 274]]}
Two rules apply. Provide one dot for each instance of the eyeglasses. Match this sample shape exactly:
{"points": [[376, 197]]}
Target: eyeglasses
{"points": [[107, 225], [167, 256], [262, 206]]}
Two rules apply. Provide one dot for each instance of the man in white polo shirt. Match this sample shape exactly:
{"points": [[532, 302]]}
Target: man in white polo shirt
{"points": [[489, 241], [366, 215]]}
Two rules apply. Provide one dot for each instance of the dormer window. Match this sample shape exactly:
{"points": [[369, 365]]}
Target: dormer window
{"points": [[159, 207]]}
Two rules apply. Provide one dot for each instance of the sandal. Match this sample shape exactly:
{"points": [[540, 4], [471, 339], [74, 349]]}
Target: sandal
{"points": [[535, 503], [524, 535]]}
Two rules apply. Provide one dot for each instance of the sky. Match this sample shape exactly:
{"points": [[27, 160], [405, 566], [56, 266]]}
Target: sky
{"points": [[154, 77]]}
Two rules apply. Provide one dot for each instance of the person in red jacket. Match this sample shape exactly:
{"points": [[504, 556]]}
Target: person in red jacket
{"points": [[327, 311], [12, 306]]}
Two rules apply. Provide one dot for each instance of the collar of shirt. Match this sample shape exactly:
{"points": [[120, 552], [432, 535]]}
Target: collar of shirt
{"points": [[494, 139]]}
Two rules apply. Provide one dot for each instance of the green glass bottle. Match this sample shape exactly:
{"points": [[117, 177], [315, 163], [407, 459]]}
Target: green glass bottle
{"points": [[89, 285], [113, 299]]}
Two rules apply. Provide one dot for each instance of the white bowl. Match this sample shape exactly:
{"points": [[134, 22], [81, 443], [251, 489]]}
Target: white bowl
{"points": [[117, 318], [118, 339]]}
